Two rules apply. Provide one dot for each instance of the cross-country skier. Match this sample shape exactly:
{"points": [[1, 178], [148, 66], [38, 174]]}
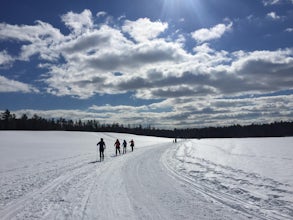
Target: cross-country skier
{"points": [[132, 144], [101, 148], [117, 145], [124, 146]]}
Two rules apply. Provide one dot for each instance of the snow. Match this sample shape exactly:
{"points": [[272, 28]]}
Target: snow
{"points": [[56, 175], [269, 157], [255, 174]]}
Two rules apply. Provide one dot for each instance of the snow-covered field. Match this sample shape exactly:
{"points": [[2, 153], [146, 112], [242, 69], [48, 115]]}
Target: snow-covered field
{"points": [[250, 174], [55, 175]]}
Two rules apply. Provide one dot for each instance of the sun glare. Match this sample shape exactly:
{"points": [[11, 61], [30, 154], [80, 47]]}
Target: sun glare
{"points": [[179, 9]]}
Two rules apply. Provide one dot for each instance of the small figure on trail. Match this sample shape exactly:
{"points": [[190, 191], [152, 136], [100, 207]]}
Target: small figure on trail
{"points": [[132, 144], [102, 147], [117, 145], [124, 146]]}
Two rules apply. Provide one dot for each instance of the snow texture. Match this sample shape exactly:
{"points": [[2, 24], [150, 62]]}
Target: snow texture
{"points": [[57, 175]]}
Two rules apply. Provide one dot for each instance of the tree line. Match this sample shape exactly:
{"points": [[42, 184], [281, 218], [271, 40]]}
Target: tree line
{"points": [[9, 121]]}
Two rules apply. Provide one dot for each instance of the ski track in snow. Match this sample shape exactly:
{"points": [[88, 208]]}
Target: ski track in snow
{"points": [[257, 196], [152, 182], [35, 202]]}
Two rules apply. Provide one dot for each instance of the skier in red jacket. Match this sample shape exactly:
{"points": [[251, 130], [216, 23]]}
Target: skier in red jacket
{"points": [[117, 145], [132, 144]]}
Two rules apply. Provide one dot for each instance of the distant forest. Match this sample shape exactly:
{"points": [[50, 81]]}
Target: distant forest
{"points": [[9, 121]]}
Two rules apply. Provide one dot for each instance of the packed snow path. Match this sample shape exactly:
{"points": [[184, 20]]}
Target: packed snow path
{"points": [[144, 184], [132, 186]]}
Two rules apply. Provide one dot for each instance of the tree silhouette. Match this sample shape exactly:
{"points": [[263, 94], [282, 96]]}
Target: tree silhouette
{"points": [[9, 121]]}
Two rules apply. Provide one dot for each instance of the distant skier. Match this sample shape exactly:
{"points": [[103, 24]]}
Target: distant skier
{"points": [[132, 144], [124, 146], [102, 147], [117, 145]]}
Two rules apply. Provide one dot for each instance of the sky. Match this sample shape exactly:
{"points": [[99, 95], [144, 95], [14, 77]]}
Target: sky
{"points": [[161, 63]]}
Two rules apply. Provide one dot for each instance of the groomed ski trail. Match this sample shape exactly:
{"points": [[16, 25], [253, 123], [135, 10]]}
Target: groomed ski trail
{"points": [[132, 186]]}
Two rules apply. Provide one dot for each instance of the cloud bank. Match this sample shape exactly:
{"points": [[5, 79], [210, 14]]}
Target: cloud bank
{"points": [[195, 85], [8, 85]]}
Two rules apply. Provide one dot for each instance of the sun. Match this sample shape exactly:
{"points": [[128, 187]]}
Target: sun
{"points": [[182, 10]]}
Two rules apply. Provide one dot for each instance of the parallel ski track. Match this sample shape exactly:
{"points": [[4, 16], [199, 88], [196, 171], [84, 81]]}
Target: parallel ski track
{"points": [[11, 210], [226, 199], [91, 189], [44, 162], [80, 169], [83, 175]]}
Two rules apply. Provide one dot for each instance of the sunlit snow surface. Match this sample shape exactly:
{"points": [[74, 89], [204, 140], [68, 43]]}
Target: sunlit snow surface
{"points": [[30, 160], [253, 173], [26, 148], [54, 175]]}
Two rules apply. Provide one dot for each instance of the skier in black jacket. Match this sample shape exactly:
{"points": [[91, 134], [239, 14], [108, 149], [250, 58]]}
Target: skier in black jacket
{"points": [[101, 148], [124, 146]]}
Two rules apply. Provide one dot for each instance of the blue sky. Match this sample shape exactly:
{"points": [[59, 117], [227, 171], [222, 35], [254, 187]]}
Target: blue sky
{"points": [[164, 63]]}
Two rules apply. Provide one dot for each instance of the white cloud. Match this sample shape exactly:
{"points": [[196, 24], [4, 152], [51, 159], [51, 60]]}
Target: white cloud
{"points": [[289, 30], [273, 16], [118, 108], [8, 85], [203, 48], [272, 63], [78, 22], [152, 68], [271, 2], [40, 38], [5, 58], [101, 14], [204, 34], [274, 2], [30, 33], [143, 29], [182, 20]]}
